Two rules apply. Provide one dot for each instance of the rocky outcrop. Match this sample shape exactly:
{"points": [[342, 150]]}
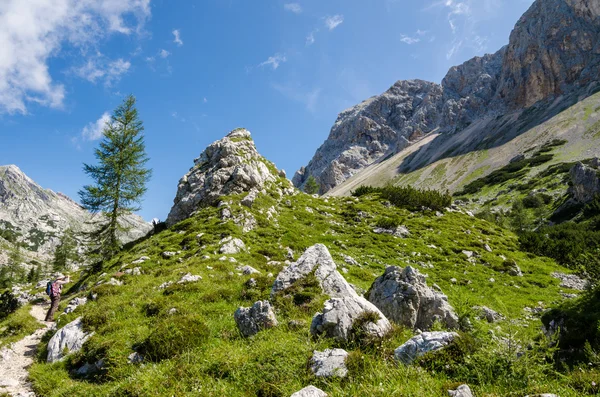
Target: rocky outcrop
{"points": [[251, 320], [38, 217], [553, 50], [231, 165], [316, 259], [340, 314], [310, 391], [329, 363], [68, 339], [585, 184], [423, 343], [404, 297]]}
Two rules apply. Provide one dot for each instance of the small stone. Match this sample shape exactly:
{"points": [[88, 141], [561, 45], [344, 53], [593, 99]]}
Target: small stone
{"points": [[310, 391], [168, 254], [329, 363], [135, 358], [189, 278], [251, 320], [461, 391]]}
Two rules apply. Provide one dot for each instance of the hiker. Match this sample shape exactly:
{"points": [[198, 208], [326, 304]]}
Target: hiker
{"points": [[54, 291]]}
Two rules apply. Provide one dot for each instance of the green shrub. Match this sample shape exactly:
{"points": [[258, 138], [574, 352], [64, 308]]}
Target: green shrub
{"points": [[409, 197], [173, 336], [8, 304], [388, 223]]}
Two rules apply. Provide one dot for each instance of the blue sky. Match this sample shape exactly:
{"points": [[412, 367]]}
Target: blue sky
{"points": [[282, 69]]}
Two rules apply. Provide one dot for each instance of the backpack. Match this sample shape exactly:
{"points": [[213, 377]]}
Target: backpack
{"points": [[52, 289], [49, 288]]}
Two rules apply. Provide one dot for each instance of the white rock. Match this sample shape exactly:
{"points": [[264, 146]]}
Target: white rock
{"points": [[310, 391], [189, 278], [316, 259], [461, 391], [403, 296], [329, 363], [339, 314], [251, 320], [69, 338], [230, 245], [423, 343]]}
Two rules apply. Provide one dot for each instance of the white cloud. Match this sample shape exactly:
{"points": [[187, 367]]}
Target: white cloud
{"points": [[163, 53], [334, 21], [293, 7], [310, 39], [205, 100], [274, 61], [94, 130], [100, 68], [409, 40], [177, 40], [33, 31]]}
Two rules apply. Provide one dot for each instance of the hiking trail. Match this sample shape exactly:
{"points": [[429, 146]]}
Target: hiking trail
{"points": [[16, 358]]}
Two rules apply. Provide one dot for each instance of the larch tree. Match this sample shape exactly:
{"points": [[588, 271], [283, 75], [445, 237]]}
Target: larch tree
{"points": [[120, 177]]}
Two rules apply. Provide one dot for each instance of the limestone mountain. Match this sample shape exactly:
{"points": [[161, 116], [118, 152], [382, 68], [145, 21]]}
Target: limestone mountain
{"points": [[550, 63], [37, 217]]}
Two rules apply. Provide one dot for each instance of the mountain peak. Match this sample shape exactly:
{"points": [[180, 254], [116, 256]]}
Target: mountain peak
{"points": [[553, 51]]}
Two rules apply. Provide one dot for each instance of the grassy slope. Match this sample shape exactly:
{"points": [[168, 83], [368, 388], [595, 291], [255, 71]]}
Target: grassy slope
{"points": [[274, 363], [17, 325]]}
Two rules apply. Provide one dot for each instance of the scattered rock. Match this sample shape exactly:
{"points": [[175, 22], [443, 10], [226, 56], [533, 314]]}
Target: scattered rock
{"points": [[490, 315], [350, 260], [230, 245], [135, 358], [487, 248], [403, 296], [189, 278], [166, 284], [140, 261], [248, 201], [515, 271], [339, 314], [316, 259], [329, 363], [400, 231], [310, 391], [114, 281], [461, 391], [69, 339], [247, 270], [571, 281], [74, 303], [250, 320], [168, 254], [423, 343]]}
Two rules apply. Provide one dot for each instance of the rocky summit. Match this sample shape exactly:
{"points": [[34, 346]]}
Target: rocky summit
{"points": [[228, 166], [36, 217], [553, 52]]}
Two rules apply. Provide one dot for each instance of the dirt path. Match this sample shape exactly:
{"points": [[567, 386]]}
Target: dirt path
{"points": [[15, 359]]}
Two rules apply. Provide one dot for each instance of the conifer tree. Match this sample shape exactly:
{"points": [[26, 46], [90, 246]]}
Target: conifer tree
{"points": [[311, 186], [119, 178], [65, 252]]}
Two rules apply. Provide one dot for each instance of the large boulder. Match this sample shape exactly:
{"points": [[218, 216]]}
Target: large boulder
{"points": [[316, 259], [231, 165], [423, 343], [250, 320], [329, 363], [310, 391], [68, 339], [585, 183], [404, 297], [340, 314]]}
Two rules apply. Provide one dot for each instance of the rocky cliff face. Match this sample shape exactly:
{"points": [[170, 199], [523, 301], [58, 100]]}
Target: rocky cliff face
{"points": [[553, 50], [228, 166], [38, 217]]}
